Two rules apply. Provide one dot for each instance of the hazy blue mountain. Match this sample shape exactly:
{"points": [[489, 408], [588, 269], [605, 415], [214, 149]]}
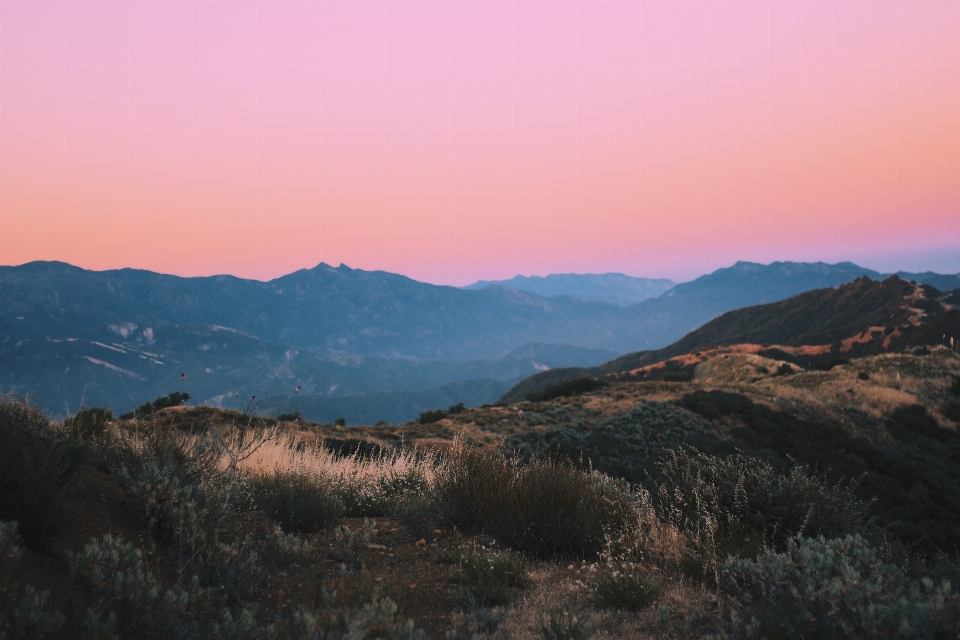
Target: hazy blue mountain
{"points": [[122, 337], [935, 280], [370, 313], [691, 304], [615, 288]]}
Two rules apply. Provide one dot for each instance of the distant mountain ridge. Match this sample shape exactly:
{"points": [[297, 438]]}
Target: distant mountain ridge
{"points": [[615, 288], [122, 337]]}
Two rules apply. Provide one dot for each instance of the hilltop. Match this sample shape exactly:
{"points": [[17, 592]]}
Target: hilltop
{"points": [[859, 318]]}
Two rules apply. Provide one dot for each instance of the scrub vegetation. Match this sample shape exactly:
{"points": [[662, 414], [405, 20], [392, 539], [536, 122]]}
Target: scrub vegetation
{"points": [[815, 503]]}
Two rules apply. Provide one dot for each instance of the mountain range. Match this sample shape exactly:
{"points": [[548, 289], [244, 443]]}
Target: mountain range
{"points": [[376, 345], [615, 288], [815, 328]]}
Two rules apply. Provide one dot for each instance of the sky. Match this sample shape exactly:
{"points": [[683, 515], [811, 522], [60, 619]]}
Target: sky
{"points": [[458, 140]]}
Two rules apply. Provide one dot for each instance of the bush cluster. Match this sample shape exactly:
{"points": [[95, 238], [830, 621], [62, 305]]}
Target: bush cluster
{"points": [[911, 476], [299, 501], [489, 577], [547, 508], [628, 445], [175, 399], [837, 588], [574, 387], [738, 505], [624, 588], [436, 415], [41, 467]]}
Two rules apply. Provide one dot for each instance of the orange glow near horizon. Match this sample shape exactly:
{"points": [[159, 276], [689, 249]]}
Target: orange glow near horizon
{"points": [[457, 140]]}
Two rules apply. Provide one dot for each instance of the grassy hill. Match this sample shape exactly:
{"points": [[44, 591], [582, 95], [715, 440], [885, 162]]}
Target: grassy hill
{"points": [[504, 521]]}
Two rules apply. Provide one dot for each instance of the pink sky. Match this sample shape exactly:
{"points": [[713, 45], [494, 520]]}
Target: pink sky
{"points": [[456, 140]]}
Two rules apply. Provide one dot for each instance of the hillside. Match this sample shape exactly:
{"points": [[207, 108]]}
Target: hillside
{"points": [[862, 317], [456, 528]]}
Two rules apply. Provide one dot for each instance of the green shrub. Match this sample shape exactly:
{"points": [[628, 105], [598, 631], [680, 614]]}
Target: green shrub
{"points": [[827, 365], [838, 588], [622, 587], [739, 505], [374, 620], [559, 623], [911, 475], [351, 544], [863, 375], [628, 445], [89, 423], [128, 601], [547, 508], [283, 549], [489, 577], [784, 370], [24, 611], [299, 501], [434, 415], [41, 469], [174, 399], [951, 410], [573, 387], [675, 372], [413, 510]]}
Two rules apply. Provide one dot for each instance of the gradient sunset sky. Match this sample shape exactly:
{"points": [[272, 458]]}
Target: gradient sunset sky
{"points": [[456, 140]]}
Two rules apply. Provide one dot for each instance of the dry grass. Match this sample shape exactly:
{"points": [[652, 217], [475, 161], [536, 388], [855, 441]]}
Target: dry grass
{"points": [[290, 454]]}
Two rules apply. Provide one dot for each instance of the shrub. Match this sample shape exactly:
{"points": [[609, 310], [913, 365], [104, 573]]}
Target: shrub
{"points": [[547, 508], [299, 501], [89, 423], [292, 416], [174, 399], [350, 545], [827, 365], [40, 471], [412, 510], [784, 370], [863, 375], [955, 386], [562, 624], [286, 548], [374, 620], [951, 410], [838, 588], [739, 505], [488, 577], [428, 417], [26, 612], [573, 387], [628, 445], [128, 600], [622, 587]]}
